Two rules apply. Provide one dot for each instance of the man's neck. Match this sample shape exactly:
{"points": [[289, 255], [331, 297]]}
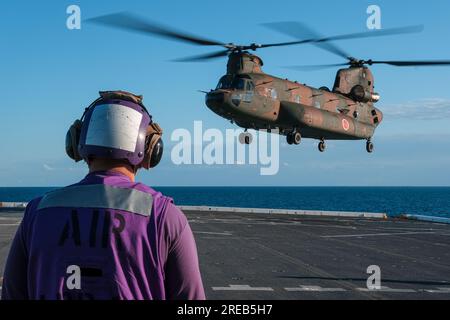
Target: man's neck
{"points": [[97, 165]]}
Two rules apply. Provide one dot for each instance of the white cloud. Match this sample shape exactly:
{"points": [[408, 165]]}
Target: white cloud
{"points": [[48, 167], [425, 109]]}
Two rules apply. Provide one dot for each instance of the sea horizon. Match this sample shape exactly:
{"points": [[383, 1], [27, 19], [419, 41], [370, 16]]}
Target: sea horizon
{"points": [[391, 200]]}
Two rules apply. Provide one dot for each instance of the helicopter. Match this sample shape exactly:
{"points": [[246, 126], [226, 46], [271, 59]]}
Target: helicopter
{"points": [[252, 99]]}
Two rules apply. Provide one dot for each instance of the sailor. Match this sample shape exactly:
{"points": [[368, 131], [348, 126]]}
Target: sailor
{"points": [[107, 236]]}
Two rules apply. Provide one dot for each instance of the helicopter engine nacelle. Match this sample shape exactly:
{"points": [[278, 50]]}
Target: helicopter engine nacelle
{"points": [[358, 93]]}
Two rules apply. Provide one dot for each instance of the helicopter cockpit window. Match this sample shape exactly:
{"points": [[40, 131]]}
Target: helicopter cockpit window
{"points": [[225, 82], [238, 84]]}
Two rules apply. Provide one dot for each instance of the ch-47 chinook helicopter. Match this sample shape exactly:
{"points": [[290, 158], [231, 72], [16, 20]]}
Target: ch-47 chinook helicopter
{"points": [[252, 99]]}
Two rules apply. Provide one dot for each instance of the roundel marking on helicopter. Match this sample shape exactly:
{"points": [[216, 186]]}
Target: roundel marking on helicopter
{"points": [[345, 124]]}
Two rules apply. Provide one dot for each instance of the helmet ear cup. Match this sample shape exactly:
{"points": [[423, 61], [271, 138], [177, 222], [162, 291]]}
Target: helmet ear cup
{"points": [[73, 139], [154, 147], [157, 152], [154, 151]]}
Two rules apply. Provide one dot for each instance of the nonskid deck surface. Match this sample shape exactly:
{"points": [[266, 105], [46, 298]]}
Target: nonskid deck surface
{"points": [[276, 256]]}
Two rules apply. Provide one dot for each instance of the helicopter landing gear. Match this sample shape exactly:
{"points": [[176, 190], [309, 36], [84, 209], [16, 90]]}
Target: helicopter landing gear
{"points": [[245, 138], [294, 138], [369, 146], [289, 139], [322, 146]]}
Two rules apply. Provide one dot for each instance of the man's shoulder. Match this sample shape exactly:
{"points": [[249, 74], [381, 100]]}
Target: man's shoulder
{"points": [[173, 212], [170, 212], [164, 205], [156, 195], [32, 207]]}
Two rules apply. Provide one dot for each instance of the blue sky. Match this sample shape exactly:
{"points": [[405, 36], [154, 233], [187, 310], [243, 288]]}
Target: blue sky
{"points": [[49, 74]]}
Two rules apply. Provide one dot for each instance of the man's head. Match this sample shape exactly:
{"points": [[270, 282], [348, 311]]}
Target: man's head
{"points": [[116, 129]]}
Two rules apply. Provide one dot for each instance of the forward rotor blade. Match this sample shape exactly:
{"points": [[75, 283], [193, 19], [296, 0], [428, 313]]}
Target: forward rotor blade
{"points": [[413, 63], [301, 31], [281, 44], [204, 57], [131, 22]]}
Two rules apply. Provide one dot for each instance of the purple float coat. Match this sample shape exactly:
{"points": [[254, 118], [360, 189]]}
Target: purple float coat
{"points": [[123, 251]]}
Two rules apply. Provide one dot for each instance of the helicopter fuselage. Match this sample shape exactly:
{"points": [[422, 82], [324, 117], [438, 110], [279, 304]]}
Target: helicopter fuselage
{"points": [[260, 101]]}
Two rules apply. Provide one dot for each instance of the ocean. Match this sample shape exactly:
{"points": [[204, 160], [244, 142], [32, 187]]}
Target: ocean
{"points": [[432, 201]]}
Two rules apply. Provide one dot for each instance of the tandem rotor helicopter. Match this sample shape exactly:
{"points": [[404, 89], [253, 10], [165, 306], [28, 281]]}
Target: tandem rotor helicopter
{"points": [[252, 99]]}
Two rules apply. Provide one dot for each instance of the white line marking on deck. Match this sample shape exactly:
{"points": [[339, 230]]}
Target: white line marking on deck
{"points": [[406, 229], [9, 224], [315, 289], [239, 287], [387, 289], [439, 290], [215, 233], [375, 234]]}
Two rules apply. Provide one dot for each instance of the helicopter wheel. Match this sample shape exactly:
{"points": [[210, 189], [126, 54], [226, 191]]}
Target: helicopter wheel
{"points": [[322, 146], [294, 138], [289, 139], [297, 138], [369, 146], [245, 138]]}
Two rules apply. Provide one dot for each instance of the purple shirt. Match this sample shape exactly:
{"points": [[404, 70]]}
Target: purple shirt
{"points": [[103, 238]]}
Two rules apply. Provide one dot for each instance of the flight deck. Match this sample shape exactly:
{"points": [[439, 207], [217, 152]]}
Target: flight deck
{"points": [[246, 254]]}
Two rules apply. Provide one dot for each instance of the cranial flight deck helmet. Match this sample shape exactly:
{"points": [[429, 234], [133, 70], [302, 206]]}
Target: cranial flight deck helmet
{"points": [[116, 126]]}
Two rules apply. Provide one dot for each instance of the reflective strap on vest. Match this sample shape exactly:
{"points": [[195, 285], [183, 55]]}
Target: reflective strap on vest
{"points": [[99, 196]]}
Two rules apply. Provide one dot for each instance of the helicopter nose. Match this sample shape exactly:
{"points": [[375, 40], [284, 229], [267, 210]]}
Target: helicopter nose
{"points": [[219, 103], [215, 101], [214, 98]]}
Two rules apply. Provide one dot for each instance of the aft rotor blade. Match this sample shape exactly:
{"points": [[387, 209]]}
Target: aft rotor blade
{"points": [[204, 57], [131, 22], [360, 35], [301, 31], [317, 67], [422, 63], [376, 33]]}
